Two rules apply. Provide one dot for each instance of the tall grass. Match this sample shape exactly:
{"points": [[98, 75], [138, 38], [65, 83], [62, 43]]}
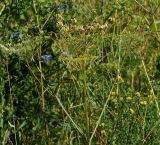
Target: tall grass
{"points": [[79, 72]]}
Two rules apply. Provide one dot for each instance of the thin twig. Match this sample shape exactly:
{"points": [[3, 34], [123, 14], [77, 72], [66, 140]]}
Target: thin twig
{"points": [[142, 6], [152, 90], [98, 122]]}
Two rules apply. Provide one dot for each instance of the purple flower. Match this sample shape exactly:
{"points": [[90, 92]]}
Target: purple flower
{"points": [[47, 57], [66, 54], [101, 53]]}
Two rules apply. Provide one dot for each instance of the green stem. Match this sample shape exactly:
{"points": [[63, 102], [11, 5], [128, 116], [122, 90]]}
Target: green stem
{"points": [[86, 103]]}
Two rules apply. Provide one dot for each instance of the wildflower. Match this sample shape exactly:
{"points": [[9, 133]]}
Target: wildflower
{"points": [[151, 91], [138, 94], [120, 79], [129, 98], [131, 110], [151, 81], [103, 132], [143, 102], [46, 57], [150, 99], [66, 54], [101, 53], [113, 93], [62, 6], [15, 36]]}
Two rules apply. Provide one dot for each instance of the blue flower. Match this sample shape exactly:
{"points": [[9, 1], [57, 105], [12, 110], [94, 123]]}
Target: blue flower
{"points": [[47, 57], [16, 36], [62, 6]]}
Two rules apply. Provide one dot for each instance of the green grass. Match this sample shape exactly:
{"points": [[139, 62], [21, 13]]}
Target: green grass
{"points": [[101, 85]]}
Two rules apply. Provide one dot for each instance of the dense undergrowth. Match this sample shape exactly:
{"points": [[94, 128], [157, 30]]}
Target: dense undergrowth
{"points": [[79, 72]]}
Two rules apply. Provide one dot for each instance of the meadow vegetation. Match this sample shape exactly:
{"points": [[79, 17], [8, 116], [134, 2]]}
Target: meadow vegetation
{"points": [[80, 72]]}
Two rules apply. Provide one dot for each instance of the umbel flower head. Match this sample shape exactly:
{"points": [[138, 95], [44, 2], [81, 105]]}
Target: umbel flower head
{"points": [[46, 57]]}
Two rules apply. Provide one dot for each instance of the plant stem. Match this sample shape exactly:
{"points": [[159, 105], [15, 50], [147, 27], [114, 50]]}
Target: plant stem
{"points": [[42, 95], [86, 102]]}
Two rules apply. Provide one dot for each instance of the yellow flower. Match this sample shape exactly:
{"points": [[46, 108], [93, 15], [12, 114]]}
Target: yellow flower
{"points": [[113, 93], [132, 110], [143, 102], [151, 91], [103, 132], [120, 79], [129, 98], [150, 99], [138, 94], [151, 81]]}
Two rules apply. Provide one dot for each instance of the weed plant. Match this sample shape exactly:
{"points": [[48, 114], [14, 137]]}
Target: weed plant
{"points": [[79, 72]]}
